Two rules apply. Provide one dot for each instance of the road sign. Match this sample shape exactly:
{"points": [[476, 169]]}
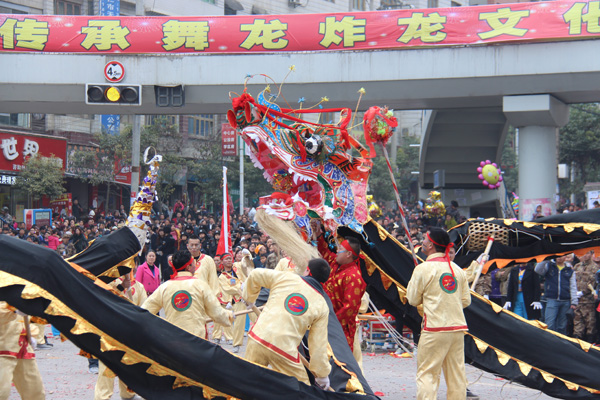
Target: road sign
{"points": [[114, 71]]}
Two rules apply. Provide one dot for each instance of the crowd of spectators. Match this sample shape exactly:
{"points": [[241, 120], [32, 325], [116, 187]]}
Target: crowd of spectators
{"points": [[172, 226]]}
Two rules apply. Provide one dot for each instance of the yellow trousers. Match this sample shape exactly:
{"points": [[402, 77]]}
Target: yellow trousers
{"points": [[240, 323], [105, 385], [261, 355], [441, 351], [357, 352], [25, 375], [38, 334], [221, 330]]}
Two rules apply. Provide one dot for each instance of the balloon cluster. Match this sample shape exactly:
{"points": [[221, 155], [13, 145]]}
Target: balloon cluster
{"points": [[490, 174], [434, 206], [515, 203], [373, 207]]}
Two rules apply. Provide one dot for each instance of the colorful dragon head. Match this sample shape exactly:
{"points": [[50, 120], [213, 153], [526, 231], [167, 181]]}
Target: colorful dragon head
{"points": [[307, 163]]}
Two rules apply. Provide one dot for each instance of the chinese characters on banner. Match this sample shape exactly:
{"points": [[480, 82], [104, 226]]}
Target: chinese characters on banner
{"points": [[372, 30], [110, 8], [228, 140], [62, 202], [121, 171], [16, 148]]}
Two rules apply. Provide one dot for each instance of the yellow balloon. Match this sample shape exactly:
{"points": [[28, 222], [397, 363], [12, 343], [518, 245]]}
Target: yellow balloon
{"points": [[491, 174]]}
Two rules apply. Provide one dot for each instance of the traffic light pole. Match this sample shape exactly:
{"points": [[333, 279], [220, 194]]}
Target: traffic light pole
{"points": [[135, 155]]}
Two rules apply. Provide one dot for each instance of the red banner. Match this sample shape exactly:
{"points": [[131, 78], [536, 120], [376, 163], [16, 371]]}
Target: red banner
{"points": [[228, 140], [390, 29], [16, 147]]}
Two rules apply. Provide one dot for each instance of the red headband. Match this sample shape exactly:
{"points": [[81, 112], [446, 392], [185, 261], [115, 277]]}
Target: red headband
{"points": [[184, 266], [347, 246], [448, 247]]}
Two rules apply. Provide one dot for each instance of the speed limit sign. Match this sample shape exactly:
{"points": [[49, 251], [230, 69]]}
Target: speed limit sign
{"points": [[114, 71]]}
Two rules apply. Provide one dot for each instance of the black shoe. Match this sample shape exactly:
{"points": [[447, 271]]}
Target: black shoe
{"points": [[43, 346], [471, 395]]}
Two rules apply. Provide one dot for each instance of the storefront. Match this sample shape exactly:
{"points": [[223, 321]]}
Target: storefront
{"points": [[16, 148]]}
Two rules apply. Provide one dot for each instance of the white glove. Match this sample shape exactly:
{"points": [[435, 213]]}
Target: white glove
{"points": [[323, 382], [33, 343], [21, 313], [229, 306], [485, 296], [246, 252], [579, 294], [536, 305], [249, 306], [507, 305], [483, 258]]}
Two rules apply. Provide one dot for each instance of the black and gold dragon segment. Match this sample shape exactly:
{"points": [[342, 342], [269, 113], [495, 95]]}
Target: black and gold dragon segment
{"points": [[153, 357], [498, 341]]}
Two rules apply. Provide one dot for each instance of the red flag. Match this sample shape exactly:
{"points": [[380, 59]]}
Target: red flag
{"points": [[224, 245]]}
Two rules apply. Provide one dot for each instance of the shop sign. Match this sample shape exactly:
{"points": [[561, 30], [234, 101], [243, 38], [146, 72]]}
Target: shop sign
{"points": [[17, 147]]}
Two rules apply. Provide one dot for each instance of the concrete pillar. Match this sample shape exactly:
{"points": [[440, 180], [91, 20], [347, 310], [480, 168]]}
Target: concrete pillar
{"points": [[538, 118]]}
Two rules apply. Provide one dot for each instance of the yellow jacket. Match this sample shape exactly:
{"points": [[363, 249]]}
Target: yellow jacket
{"points": [[188, 302], [443, 291], [13, 341], [136, 292], [243, 268], [286, 265], [207, 271], [230, 286], [293, 308]]}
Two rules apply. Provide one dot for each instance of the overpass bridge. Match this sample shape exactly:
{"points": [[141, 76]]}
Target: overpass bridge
{"points": [[474, 92]]}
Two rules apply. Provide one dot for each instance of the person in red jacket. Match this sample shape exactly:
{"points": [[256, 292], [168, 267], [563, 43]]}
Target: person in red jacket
{"points": [[345, 286], [148, 274]]}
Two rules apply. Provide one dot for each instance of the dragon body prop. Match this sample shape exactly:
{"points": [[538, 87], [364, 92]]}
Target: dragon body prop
{"points": [[330, 187], [153, 357]]}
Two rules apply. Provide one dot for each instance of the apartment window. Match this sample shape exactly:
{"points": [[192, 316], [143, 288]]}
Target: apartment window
{"points": [[66, 8], [20, 120], [358, 5], [200, 125], [455, 4], [433, 3], [9, 10], [209, 1]]}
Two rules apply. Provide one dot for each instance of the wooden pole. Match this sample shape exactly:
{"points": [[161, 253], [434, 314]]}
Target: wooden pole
{"points": [[486, 252]]}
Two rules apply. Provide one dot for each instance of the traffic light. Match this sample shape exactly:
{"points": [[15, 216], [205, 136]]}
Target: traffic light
{"points": [[113, 94]]}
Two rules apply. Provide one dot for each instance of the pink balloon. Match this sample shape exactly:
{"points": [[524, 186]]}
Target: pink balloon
{"points": [[500, 180], [482, 163], [488, 162], [479, 169], [484, 183], [495, 165], [481, 177]]}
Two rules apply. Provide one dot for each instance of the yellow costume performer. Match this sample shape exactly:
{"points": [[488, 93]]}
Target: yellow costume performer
{"points": [[17, 359], [242, 269], [188, 301], [229, 292], [293, 307], [441, 287]]}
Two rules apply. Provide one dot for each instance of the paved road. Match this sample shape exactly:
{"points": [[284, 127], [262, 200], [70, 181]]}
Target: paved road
{"points": [[66, 377]]}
